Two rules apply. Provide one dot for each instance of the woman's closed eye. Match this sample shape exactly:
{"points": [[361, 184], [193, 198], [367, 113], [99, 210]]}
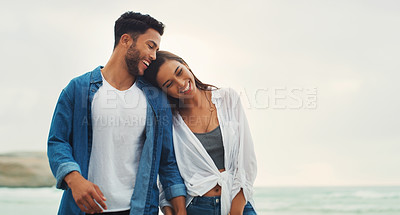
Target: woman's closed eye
{"points": [[169, 84], [179, 73]]}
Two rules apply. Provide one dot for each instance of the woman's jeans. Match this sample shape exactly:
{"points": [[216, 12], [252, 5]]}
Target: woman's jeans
{"points": [[212, 206]]}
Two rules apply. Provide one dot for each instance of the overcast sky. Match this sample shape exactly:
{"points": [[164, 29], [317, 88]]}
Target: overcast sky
{"points": [[319, 79]]}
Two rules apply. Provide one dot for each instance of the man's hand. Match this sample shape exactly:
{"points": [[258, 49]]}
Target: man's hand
{"points": [[85, 193]]}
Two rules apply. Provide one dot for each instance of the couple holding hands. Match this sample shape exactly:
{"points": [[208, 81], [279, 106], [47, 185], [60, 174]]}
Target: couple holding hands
{"points": [[143, 132]]}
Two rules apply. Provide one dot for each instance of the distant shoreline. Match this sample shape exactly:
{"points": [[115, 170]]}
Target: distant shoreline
{"points": [[25, 170]]}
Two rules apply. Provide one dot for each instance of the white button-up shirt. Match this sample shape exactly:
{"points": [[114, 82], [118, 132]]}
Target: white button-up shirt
{"points": [[196, 166]]}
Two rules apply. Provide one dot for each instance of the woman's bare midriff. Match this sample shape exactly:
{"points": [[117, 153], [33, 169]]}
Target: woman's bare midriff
{"points": [[215, 191]]}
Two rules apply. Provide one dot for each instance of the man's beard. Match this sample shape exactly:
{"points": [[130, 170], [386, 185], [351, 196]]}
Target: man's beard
{"points": [[132, 59]]}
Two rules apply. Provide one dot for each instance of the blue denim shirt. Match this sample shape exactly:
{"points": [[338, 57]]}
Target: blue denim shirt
{"points": [[70, 143]]}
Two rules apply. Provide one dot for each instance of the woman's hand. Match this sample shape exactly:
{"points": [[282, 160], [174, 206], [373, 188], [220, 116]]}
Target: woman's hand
{"points": [[238, 204]]}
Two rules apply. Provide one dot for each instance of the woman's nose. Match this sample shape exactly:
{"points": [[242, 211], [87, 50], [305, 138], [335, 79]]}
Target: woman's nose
{"points": [[181, 83]]}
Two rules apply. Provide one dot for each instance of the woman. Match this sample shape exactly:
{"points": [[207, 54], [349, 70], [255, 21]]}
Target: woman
{"points": [[212, 140]]}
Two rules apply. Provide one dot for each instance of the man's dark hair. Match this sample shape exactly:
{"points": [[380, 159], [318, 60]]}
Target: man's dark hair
{"points": [[135, 24]]}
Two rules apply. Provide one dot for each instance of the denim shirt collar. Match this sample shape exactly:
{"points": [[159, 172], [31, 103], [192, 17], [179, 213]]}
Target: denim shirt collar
{"points": [[96, 75], [148, 89], [97, 78], [152, 93]]}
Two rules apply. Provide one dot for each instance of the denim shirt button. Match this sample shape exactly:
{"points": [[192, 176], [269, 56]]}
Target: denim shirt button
{"points": [[92, 90]]}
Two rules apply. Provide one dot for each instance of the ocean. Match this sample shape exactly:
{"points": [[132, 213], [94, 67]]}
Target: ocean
{"points": [[268, 201]]}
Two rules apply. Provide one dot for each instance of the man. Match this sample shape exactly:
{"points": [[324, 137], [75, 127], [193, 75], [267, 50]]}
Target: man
{"points": [[111, 132]]}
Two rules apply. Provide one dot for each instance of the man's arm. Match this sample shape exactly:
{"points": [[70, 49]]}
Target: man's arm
{"points": [[179, 205], [59, 149], [173, 187], [167, 206], [64, 167], [176, 205], [167, 210]]}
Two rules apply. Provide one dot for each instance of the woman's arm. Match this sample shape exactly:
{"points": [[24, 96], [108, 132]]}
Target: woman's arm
{"points": [[238, 204], [247, 165]]}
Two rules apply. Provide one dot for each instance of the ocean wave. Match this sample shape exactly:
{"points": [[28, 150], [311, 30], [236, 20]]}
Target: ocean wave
{"points": [[362, 194], [329, 208], [376, 195], [331, 200]]}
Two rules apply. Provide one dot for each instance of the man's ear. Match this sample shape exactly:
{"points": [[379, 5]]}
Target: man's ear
{"points": [[125, 40]]}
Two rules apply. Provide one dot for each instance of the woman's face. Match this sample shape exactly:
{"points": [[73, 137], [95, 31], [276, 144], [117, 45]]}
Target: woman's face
{"points": [[176, 80]]}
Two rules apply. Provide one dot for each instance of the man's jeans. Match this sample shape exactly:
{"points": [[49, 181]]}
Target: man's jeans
{"points": [[212, 206], [114, 213]]}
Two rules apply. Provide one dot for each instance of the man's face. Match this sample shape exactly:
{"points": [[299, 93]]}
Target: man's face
{"points": [[140, 54]]}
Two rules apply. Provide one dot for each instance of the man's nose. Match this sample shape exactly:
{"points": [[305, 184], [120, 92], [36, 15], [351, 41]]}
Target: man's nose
{"points": [[153, 55]]}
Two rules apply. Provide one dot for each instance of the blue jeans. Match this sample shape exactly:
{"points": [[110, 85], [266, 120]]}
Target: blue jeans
{"points": [[114, 213], [212, 206]]}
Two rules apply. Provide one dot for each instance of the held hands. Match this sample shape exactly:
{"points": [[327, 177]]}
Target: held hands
{"points": [[167, 210], [85, 193], [178, 205]]}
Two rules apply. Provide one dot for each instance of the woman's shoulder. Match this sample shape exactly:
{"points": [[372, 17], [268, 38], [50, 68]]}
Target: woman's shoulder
{"points": [[226, 94]]}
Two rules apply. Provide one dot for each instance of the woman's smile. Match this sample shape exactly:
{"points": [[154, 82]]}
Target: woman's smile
{"points": [[187, 89]]}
